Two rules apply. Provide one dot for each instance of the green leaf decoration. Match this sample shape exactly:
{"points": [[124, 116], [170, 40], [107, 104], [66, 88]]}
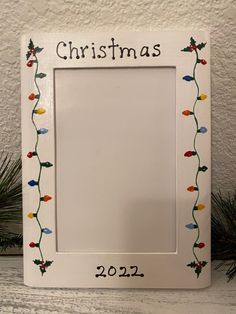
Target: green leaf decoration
{"points": [[187, 49], [200, 46], [192, 265], [37, 262], [40, 75], [28, 55], [192, 41], [42, 269], [31, 45], [47, 263], [37, 49], [198, 271], [203, 263]]}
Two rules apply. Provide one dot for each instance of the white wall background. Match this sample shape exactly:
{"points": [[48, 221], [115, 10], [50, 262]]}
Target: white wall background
{"points": [[218, 16]]}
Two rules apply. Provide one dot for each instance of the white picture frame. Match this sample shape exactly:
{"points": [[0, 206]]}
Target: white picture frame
{"points": [[155, 130]]}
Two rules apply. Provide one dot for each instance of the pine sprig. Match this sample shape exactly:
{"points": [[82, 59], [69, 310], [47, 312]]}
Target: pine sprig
{"points": [[223, 223], [13, 241], [10, 201]]}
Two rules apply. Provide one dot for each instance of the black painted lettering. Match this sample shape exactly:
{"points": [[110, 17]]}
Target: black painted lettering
{"points": [[145, 51], [102, 49], [93, 50], [129, 50], [156, 48], [113, 46], [73, 49], [83, 50], [101, 274], [57, 50]]}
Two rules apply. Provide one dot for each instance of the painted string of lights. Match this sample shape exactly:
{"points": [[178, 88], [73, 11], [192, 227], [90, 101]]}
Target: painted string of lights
{"points": [[32, 60], [196, 264]]}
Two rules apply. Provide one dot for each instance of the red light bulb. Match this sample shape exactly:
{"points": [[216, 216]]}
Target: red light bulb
{"points": [[203, 61], [31, 96], [190, 153], [191, 188], [46, 198], [187, 112], [30, 155], [199, 245]]}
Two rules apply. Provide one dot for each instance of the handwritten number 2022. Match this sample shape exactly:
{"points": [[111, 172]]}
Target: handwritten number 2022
{"points": [[122, 272]]}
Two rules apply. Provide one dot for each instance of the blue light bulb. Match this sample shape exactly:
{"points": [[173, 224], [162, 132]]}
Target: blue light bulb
{"points": [[42, 131], [202, 130], [46, 231], [191, 226], [32, 183], [188, 78]]}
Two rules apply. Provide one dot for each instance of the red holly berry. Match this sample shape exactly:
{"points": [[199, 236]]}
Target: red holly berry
{"points": [[30, 63], [194, 47], [33, 51], [203, 61], [32, 244], [198, 265]]}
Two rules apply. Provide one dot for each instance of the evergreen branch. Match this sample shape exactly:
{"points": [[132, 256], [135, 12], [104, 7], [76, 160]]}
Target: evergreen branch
{"points": [[13, 241], [223, 230], [10, 200]]}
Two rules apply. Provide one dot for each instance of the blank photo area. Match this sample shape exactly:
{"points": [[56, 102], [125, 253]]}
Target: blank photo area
{"points": [[115, 159]]}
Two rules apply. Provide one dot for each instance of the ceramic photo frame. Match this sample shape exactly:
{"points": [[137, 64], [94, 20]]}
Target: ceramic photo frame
{"points": [[116, 159]]}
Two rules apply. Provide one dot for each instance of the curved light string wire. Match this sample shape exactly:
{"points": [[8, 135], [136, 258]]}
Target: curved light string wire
{"points": [[198, 157], [40, 166]]}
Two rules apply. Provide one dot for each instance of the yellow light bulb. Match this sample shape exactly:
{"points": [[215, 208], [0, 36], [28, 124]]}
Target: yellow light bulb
{"points": [[40, 111], [200, 206], [30, 215], [203, 96]]}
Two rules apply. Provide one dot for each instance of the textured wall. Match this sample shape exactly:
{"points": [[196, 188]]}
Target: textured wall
{"points": [[217, 16]]}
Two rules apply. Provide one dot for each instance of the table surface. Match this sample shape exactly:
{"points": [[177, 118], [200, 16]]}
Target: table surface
{"points": [[17, 298]]}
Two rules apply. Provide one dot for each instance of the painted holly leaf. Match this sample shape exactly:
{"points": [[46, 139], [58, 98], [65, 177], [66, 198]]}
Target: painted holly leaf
{"points": [[192, 264], [28, 55], [42, 269], [31, 45], [47, 263], [200, 46], [40, 75], [187, 49], [203, 263], [192, 41], [37, 49], [37, 262], [198, 271]]}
